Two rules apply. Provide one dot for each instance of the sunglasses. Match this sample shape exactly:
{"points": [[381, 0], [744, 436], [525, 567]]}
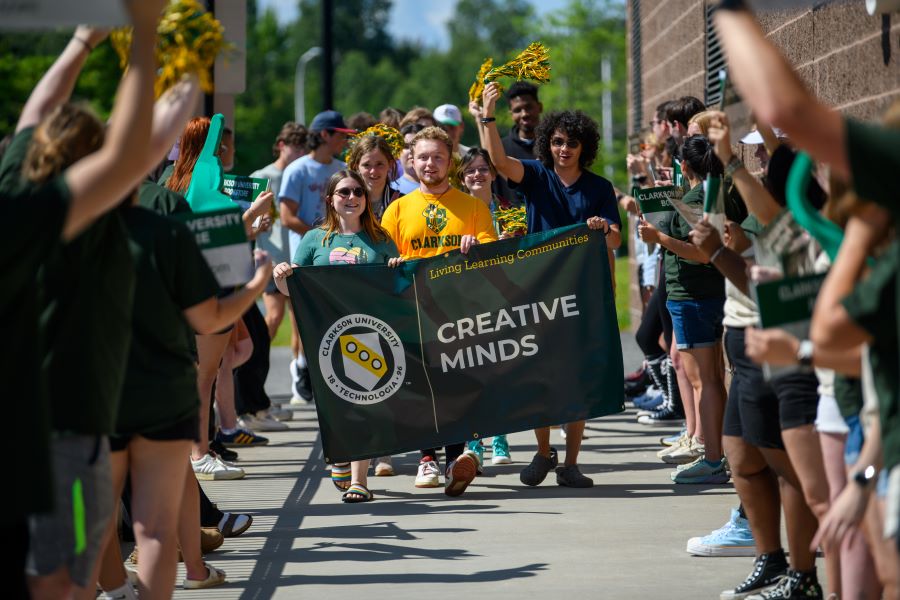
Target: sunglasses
{"points": [[345, 192], [478, 170], [559, 142]]}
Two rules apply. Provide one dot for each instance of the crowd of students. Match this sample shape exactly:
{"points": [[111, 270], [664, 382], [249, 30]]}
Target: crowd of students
{"points": [[109, 300]]}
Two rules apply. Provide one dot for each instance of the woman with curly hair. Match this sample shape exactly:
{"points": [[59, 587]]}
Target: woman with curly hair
{"points": [[559, 190]]}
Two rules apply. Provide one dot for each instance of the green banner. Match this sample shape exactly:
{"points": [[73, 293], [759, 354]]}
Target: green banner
{"points": [[243, 189], [516, 334], [787, 301], [656, 204]]}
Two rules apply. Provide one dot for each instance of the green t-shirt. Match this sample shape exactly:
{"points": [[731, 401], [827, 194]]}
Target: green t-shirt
{"points": [[872, 305], [162, 200], [35, 215], [338, 249], [688, 279], [874, 153], [161, 378]]}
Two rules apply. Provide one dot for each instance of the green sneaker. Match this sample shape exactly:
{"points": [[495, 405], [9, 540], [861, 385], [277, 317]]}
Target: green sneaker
{"points": [[476, 447], [702, 471], [500, 450]]}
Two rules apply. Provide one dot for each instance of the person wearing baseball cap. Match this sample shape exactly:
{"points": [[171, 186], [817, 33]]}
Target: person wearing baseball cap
{"points": [[301, 207], [450, 119]]}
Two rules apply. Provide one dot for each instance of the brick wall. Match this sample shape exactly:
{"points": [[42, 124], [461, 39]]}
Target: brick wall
{"points": [[849, 59]]}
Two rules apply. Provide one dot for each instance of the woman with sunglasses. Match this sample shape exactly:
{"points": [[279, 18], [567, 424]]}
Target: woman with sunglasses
{"points": [[559, 190], [350, 235]]}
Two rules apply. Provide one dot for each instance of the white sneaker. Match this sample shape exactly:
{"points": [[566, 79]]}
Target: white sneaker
{"points": [[281, 414], [428, 475], [212, 468], [683, 439], [688, 451], [261, 421]]}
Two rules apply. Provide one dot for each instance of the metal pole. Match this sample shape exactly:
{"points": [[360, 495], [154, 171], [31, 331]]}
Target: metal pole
{"points": [[327, 54], [606, 77], [300, 84]]}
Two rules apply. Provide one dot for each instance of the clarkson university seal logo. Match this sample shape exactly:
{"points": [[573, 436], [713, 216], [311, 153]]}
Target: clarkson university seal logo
{"points": [[362, 359], [435, 218]]}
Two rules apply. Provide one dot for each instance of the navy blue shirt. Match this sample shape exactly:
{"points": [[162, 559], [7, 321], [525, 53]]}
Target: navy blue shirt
{"points": [[550, 204]]}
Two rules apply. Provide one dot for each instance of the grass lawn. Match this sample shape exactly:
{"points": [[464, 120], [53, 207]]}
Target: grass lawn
{"points": [[283, 337]]}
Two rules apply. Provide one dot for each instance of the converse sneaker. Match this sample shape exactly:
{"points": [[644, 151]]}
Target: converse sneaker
{"points": [[701, 471], [500, 451], [211, 468], [734, 538], [649, 400], [768, 571], [795, 585], [261, 421], [664, 417], [429, 473], [240, 438]]}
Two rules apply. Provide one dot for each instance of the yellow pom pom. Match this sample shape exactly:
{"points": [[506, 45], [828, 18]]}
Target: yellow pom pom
{"points": [[389, 134]]}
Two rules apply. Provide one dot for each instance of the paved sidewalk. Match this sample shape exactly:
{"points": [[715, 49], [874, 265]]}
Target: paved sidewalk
{"points": [[623, 538]]}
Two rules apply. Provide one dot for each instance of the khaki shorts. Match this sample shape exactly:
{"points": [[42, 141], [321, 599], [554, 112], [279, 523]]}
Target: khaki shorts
{"points": [[71, 535]]}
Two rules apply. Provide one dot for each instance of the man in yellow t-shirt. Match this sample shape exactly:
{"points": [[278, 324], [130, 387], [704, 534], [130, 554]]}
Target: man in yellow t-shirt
{"points": [[434, 219]]}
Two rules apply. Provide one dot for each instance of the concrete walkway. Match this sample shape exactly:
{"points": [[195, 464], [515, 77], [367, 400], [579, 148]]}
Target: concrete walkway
{"points": [[623, 538]]}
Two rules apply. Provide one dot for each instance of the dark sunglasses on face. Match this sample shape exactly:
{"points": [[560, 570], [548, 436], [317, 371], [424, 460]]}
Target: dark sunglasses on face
{"points": [[345, 192], [559, 142]]}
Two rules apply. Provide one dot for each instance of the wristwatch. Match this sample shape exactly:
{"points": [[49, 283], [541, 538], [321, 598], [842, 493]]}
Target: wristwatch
{"points": [[733, 165], [486, 120], [732, 5], [805, 354], [865, 477]]}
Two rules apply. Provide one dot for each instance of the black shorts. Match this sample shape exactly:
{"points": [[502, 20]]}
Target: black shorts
{"points": [[186, 429], [758, 411]]}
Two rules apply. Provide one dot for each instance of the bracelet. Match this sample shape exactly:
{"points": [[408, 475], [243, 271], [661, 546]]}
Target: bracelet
{"points": [[733, 165], [732, 5], [486, 120], [86, 45], [716, 254]]}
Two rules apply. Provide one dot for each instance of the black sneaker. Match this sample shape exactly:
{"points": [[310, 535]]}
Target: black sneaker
{"points": [[666, 416], [224, 453], [303, 388], [793, 585], [768, 570]]}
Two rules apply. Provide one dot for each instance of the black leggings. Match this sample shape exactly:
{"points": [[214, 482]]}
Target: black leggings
{"points": [[250, 378], [656, 321]]}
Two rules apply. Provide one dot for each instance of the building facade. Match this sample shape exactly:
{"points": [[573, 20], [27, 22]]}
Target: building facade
{"points": [[846, 57]]}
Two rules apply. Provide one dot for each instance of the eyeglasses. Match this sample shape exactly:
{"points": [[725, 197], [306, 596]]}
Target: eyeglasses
{"points": [[559, 142], [478, 170], [345, 192]]}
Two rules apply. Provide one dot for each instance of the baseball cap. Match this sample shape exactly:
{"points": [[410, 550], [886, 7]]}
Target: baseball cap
{"points": [[330, 119], [448, 114], [755, 137]]}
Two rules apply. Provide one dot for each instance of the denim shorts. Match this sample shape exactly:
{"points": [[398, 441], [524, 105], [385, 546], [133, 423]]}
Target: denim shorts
{"points": [[697, 323]]}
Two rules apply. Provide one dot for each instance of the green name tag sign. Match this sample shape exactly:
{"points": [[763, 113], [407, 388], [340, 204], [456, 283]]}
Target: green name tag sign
{"points": [[244, 189], [656, 204], [220, 236], [788, 301]]}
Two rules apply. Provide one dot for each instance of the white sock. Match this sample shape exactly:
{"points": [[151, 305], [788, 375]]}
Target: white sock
{"points": [[229, 430], [301, 361], [125, 592]]}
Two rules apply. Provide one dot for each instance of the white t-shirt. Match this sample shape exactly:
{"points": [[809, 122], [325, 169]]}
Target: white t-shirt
{"points": [[274, 241]]}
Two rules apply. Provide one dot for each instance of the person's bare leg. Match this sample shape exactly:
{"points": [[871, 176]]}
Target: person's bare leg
{"points": [[542, 435], [274, 305], [225, 387], [189, 529], [111, 573], [157, 482], [574, 437], [56, 585], [210, 349], [757, 487], [692, 422], [296, 344], [701, 368], [800, 522], [884, 551], [837, 563]]}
